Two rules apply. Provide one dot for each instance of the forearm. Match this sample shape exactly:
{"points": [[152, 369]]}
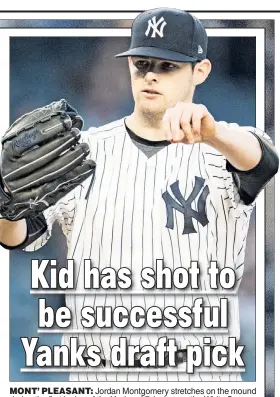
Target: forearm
{"points": [[12, 233], [239, 146]]}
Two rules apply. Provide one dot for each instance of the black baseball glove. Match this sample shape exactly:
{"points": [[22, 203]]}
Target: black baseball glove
{"points": [[42, 160]]}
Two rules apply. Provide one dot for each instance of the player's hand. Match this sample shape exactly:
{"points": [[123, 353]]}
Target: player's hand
{"points": [[189, 123]]}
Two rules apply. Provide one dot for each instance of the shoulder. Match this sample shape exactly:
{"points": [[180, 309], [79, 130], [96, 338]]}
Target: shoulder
{"points": [[96, 134], [103, 138]]}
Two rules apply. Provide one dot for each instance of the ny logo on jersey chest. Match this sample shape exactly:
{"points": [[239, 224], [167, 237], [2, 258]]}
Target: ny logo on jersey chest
{"points": [[184, 206]]}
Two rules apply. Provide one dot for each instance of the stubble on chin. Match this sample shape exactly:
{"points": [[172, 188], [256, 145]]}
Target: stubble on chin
{"points": [[153, 114]]}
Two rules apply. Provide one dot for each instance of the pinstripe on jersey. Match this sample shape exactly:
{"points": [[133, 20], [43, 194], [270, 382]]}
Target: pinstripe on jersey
{"points": [[123, 223]]}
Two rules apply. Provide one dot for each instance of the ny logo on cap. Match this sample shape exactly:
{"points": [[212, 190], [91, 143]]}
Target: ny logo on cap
{"points": [[153, 24], [199, 49]]}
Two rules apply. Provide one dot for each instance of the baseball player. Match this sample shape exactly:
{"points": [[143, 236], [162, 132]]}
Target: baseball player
{"points": [[171, 183]]}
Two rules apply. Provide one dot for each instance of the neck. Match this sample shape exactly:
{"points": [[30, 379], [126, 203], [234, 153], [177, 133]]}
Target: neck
{"points": [[148, 126]]}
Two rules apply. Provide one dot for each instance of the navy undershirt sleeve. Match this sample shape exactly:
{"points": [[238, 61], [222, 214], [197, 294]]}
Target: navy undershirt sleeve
{"points": [[251, 182]]}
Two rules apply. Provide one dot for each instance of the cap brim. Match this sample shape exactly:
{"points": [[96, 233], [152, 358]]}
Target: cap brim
{"points": [[154, 52]]}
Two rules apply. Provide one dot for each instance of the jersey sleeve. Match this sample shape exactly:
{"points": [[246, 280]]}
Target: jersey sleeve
{"points": [[241, 188], [251, 182], [40, 230]]}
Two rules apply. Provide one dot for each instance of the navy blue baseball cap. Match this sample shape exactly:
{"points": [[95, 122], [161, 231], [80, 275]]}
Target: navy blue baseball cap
{"points": [[168, 33]]}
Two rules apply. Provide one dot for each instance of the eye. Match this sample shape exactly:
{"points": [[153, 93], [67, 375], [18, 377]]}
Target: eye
{"points": [[168, 66], [142, 64]]}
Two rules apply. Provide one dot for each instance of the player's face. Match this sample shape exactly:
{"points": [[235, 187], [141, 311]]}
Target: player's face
{"points": [[159, 84]]}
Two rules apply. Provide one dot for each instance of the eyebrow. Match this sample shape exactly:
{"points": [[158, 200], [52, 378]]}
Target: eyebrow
{"points": [[156, 59]]}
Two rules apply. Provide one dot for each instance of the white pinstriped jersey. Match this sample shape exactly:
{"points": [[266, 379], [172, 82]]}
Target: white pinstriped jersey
{"points": [[124, 223]]}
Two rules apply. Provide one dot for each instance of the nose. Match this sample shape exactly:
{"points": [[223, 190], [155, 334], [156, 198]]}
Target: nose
{"points": [[151, 77]]}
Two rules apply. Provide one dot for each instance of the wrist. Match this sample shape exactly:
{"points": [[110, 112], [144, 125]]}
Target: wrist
{"points": [[219, 133], [12, 233]]}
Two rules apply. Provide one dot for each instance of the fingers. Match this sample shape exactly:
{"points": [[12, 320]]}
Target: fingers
{"points": [[183, 123], [197, 116], [166, 127], [177, 133], [171, 122], [186, 125]]}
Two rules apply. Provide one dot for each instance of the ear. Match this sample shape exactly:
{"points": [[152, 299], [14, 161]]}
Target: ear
{"points": [[201, 71]]}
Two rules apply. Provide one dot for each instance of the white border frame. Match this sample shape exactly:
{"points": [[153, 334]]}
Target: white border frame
{"points": [[5, 34]]}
